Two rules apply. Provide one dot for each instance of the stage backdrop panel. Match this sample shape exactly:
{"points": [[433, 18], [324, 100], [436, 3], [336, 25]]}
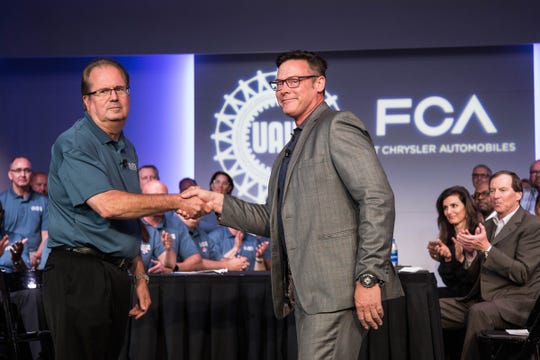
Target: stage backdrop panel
{"points": [[432, 114]]}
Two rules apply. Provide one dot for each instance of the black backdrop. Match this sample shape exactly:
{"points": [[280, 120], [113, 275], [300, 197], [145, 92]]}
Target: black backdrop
{"points": [[72, 28]]}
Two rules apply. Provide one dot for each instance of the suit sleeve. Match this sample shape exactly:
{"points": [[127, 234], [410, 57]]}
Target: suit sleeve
{"points": [[245, 216], [360, 171]]}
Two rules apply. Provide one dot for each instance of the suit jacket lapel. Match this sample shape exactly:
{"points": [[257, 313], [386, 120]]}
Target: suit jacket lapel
{"points": [[490, 229], [310, 122], [509, 228]]}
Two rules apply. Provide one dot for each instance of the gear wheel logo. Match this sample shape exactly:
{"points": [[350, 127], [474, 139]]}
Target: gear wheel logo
{"points": [[250, 132]]}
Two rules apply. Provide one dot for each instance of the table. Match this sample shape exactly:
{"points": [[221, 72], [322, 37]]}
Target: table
{"points": [[412, 324], [230, 316]]}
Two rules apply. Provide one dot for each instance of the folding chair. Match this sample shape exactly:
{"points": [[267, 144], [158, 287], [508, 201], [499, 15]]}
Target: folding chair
{"points": [[12, 335], [502, 345]]}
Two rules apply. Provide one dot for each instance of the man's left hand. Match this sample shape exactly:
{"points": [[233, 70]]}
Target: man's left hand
{"points": [[368, 306], [143, 299]]}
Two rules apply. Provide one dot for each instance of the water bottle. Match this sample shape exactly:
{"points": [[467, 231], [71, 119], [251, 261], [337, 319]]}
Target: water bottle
{"points": [[394, 253]]}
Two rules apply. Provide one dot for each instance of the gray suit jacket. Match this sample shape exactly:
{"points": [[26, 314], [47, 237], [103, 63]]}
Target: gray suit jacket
{"points": [[510, 275], [338, 215]]}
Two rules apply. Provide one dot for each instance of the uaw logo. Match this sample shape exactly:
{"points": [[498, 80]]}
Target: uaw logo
{"points": [[250, 131]]}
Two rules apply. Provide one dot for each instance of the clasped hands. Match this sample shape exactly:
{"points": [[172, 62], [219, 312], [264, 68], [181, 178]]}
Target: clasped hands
{"points": [[465, 244], [471, 242], [198, 202]]}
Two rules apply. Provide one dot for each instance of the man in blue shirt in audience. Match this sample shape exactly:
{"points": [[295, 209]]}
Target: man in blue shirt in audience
{"points": [[26, 214]]}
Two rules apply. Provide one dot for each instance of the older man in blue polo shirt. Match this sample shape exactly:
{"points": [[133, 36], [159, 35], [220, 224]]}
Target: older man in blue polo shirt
{"points": [[26, 214], [94, 231]]}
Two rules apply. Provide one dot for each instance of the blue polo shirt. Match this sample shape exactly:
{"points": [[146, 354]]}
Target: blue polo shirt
{"points": [[85, 162], [209, 222], [207, 247], [225, 241], [24, 217], [154, 247], [182, 243]]}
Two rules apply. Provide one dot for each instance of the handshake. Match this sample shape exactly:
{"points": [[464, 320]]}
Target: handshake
{"points": [[197, 202]]}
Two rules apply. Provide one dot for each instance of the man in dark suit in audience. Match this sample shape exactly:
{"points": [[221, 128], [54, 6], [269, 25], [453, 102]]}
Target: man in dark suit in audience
{"points": [[508, 283]]}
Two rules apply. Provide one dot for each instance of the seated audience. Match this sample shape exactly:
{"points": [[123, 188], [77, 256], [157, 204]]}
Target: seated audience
{"points": [[186, 183], [210, 252], [232, 243], [507, 272], [456, 212], [222, 183], [168, 247]]}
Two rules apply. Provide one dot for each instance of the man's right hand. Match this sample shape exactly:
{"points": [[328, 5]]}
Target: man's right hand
{"points": [[193, 207], [213, 200]]}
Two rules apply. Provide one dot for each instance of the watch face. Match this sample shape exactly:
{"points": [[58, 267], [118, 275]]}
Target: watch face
{"points": [[367, 280]]}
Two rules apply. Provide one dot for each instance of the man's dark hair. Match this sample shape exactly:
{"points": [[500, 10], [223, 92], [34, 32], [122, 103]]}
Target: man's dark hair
{"points": [[517, 186], [316, 62]]}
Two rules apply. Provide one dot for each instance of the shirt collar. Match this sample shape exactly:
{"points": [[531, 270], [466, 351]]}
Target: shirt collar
{"points": [[505, 219], [491, 216], [100, 134]]}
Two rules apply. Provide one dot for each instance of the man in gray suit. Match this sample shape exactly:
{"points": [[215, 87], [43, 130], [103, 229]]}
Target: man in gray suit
{"points": [[330, 215], [508, 255]]}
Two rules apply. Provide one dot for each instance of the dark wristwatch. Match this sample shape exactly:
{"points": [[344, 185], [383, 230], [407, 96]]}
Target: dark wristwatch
{"points": [[368, 280]]}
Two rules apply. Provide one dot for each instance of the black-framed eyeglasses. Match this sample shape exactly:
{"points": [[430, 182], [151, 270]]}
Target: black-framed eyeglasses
{"points": [[106, 92], [480, 175], [481, 194], [292, 82]]}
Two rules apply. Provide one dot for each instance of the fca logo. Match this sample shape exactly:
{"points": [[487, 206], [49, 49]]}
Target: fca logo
{"points": [[473, 108]]}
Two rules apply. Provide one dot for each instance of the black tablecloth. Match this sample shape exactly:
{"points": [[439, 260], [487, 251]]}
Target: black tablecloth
{"points": [[230, 316]]}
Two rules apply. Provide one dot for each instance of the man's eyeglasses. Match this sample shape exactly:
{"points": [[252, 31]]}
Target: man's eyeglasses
{"points": [[483, 194], [536, 172], [480, 175], [20, 170], [121, 91], [292, 82]]}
